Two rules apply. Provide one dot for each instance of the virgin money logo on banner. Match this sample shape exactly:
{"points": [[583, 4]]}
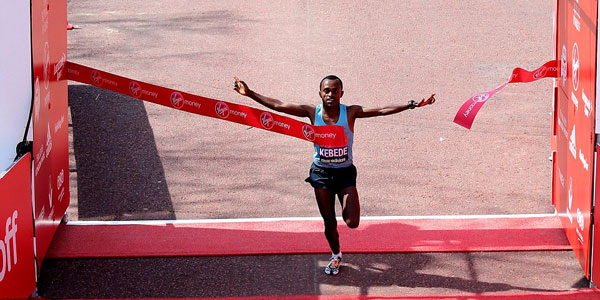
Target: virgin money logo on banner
{"points": [[575, 66], [96, 78], [309, 132], [266, 120], [177, 100], [222, 110], [135, 89]]}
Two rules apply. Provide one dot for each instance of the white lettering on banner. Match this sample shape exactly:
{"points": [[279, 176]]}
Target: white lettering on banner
{"points": [[37, 98], [73, 71], [563, 64], [46, 65], [136, 90], [562, 122], [39, 157], [575, 101], [325, 135], [59, 123], [9, 258], [583, 161], [99, 80], [42, 213], [586, 102], [50, 191], [60, 179], [48, 141], [192, 103], [573, 144], [576, 18], [561, 178], [579, 229], [575, 66], [44, 16], [47, 99], [58, 68], [570, 200], [237, 113]]}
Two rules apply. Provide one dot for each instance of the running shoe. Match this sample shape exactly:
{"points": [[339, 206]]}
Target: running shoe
{"points": [[333, 268]]}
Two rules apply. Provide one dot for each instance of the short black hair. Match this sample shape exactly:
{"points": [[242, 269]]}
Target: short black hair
{"points": [[331, 77]]}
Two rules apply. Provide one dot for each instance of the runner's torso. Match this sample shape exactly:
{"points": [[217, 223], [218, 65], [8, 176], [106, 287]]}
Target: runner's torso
{"points": [[339, 157]]}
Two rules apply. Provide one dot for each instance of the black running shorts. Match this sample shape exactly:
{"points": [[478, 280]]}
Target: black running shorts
{"points": [[331, 178]]}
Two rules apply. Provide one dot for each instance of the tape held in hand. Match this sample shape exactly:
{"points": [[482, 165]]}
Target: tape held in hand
{"points": [[467, 112], [327, 136]]}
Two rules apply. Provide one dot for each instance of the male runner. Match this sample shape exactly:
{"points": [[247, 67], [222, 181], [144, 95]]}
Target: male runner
{"points": [[332, 172]]}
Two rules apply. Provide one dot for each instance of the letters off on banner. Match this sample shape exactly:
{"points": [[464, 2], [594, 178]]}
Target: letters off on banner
{"points": [[467, 112], [327, 136]]}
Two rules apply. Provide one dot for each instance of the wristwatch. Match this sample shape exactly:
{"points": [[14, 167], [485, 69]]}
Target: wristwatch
{"points": [[412, 104]]}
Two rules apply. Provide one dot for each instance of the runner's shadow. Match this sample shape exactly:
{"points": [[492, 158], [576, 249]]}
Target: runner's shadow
{"points": [[118, 170]]}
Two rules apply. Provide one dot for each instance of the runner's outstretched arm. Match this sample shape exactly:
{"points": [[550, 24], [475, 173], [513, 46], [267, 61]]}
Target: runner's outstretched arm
{"points": [[360, 112], [274, 104]]}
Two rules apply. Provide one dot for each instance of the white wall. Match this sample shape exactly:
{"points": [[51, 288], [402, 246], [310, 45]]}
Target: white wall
{"points": [[15, 76]]}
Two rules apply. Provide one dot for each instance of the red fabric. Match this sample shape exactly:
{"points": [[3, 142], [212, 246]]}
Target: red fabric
{"points": [[301, 237], [328, 136], [467, 112]]}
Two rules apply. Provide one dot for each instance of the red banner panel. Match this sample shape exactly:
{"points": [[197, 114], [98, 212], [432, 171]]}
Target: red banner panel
{"points": [[50, 119], [574, 116], [17, 263]]}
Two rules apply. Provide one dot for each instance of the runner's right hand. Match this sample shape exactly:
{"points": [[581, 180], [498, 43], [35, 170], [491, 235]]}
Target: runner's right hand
{"points": [[240, 86]]}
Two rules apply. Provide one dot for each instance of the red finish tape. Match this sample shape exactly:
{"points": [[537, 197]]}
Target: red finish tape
{"points": [[467, 112], [327, 136]]}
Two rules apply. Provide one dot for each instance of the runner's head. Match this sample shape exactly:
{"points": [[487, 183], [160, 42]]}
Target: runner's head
{"points": [[331, 90]]}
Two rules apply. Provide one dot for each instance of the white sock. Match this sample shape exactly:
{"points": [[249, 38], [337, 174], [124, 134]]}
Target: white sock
{"points": [[336, 256]]}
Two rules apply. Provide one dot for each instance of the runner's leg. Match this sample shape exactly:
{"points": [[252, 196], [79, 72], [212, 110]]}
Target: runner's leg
{"points": [[326, 202], [350, 206]]}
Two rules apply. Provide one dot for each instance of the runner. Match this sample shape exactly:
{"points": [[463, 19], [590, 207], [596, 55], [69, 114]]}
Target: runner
{"points": [[332, 171]]}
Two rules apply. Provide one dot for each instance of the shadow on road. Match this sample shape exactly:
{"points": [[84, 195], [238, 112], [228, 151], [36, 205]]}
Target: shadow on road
{"points": [[119, 173]]}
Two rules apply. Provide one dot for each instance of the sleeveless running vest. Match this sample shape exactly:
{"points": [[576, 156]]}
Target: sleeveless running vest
{"points": [[340, 157]]}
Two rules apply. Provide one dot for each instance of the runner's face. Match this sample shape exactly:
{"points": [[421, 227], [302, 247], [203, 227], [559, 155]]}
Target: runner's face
{"points": [[331, 93]]}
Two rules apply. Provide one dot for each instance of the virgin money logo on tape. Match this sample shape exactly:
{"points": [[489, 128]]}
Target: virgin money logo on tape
{"points": [[222, 110], [135, 89], [8, 245], [309, 132], [266, 120], [97, 78], [481, 98], [540, 73], [177, 100]]}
